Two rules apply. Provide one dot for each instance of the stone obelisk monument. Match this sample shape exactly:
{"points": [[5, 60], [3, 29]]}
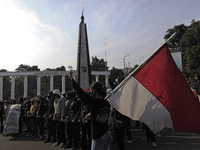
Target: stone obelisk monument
{"points": [[83, 57]]}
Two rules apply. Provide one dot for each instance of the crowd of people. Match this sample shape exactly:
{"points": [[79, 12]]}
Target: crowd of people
{"points": [[76, 119]]}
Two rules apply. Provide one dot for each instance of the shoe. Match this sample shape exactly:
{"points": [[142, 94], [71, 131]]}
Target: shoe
{"points": [[146, 139], [47, 141], [154, 144], [62, 145], [52, 141], [41, 137], [129, 141], [67, 146], [159, 134], [56, 144], [34, 137]]}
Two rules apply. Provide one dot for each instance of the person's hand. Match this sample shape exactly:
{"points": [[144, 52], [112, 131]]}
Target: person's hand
{"points": [[70, 75], [50, 115], [87, 117], [107, 77]]}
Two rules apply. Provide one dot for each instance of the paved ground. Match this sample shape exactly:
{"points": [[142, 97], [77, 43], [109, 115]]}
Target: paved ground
{"points": [[169, 141]]}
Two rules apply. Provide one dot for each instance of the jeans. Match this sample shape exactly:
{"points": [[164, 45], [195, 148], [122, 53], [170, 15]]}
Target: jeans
{"points": [[102, 143]]}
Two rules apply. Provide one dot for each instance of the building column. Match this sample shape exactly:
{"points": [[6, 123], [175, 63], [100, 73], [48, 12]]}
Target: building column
{"points": [[12, 87], [51, 83], [1, 88], [25, 86], [63, 84], [38, 85], [97, 78]]}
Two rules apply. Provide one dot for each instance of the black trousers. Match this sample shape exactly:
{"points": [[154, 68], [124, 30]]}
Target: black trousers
{"points": [[73, 131], [41, 122], [127, 122], [60, 131], [119, 134], [86, 139], [120, 141], [149, 134], [28, 124], [1, 124], [34, 125], [51, 128]]}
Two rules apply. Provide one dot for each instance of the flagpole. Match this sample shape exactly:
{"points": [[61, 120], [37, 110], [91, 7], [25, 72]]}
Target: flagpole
{"points": [[140, 66]]}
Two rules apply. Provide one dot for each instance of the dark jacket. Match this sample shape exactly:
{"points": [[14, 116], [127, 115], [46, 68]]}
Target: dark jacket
{"points": [[50, 108], [41, 111], [100, 109]]}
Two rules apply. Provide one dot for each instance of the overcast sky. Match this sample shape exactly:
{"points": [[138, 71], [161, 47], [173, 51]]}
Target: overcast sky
{"points": [[45, 32]]}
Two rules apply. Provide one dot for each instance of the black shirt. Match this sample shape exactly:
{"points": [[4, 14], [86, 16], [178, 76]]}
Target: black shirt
{"points": [[100, 109]]}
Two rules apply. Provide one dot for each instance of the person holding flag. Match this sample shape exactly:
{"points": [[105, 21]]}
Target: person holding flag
{"points": [[157, 94], [100, 110]]}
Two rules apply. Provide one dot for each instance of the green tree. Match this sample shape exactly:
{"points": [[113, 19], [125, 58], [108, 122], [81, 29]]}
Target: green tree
{"points": [[32, 81], [116, 75], [174, 43], [45, 85], [190, 43], [45, 82], [58, 79], [134, 67], [19, 86], [6, 86], [187, 41], [98, 64]]}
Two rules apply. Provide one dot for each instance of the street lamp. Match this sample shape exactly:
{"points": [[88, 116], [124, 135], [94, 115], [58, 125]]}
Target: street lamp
{"points": [[124, 60]]}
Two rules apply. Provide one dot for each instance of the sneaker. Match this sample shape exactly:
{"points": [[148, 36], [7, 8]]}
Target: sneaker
{"points": [[56, 144], [47, 141], [67, 146], [52, 141], [129, 141], [154, 144], [62, 145], [146, 139], [34, 137]]}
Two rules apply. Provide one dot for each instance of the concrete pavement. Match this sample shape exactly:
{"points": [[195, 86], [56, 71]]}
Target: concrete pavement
{"points": [[169, 141]]}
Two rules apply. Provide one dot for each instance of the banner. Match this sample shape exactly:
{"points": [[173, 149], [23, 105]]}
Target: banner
{"points": [[12, 119], [178, 60]]}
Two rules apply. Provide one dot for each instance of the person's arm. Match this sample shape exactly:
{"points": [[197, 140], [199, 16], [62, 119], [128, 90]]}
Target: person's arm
{"points": [[62, 107], [86, 98]]}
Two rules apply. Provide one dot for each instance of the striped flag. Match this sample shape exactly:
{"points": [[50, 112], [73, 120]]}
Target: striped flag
{"points": [[158, 95]]}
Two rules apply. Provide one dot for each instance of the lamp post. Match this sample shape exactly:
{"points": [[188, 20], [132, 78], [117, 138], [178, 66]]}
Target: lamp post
{"points": [[125, 70], [124, 60]]}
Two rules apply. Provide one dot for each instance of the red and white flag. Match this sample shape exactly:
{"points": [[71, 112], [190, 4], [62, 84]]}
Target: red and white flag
{"points": [[158, 95]]}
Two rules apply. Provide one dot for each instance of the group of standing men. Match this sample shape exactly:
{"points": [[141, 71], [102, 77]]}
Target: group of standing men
{"points": [[84, 115]]}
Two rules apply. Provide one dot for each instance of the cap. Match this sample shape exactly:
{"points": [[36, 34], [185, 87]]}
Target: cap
{"points": [[56, 91]]}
